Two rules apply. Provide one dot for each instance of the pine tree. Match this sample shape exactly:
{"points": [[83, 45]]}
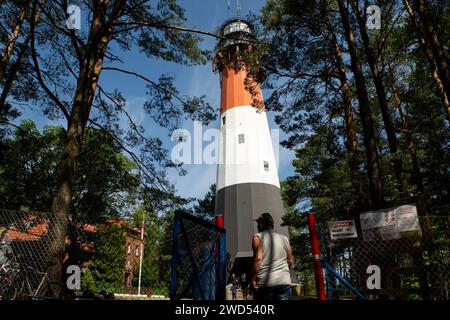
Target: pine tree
{"points": [[108, 261]]}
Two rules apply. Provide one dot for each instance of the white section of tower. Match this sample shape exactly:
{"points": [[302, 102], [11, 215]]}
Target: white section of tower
{"points": [[245, 153]]}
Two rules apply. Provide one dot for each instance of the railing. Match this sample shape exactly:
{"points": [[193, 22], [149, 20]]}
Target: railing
{"points": [[198, 262]]}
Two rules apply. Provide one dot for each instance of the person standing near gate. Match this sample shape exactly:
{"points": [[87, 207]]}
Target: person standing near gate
{"points": [[234, 286], [244, 286], [272, 259]]}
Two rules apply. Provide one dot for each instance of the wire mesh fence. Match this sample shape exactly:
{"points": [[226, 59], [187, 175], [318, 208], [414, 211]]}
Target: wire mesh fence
{"points": [[198, 263], [28, 240], [415, 267], [106, 253]]}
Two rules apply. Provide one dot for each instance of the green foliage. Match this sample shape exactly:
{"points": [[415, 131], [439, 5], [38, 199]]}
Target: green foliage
{"points": [[108, 261], [106, 184], [161, 290], [87, 282], [106, 181], [296, 44], [157, 250], [206, 207], [28, 164], [322, 182]]}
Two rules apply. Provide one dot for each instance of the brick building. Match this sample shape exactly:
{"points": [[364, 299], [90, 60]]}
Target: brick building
{"points": [[132, 248], [32, 229]]}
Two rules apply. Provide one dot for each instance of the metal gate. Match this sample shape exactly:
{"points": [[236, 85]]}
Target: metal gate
{"points": [[198, 261]]}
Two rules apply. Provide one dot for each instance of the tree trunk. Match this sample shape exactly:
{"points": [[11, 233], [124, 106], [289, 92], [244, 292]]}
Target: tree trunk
{"points": [[11, 43], [409, 139], [350, 128], [90, 70], [12, 74], [15, 67], [421, 204], [373, 160], [429, 57], [435, 44], [382, 99]]}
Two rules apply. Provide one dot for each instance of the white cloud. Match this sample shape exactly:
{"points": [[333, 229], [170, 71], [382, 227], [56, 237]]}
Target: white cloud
{"points": [[135, 109]]}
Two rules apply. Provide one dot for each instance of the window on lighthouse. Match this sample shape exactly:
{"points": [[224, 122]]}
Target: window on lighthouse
{"points": [[241, 138], [223, 120], [266, 165]]}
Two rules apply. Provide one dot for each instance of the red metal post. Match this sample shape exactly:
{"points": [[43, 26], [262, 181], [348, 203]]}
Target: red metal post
{"points": [[316, 257], [219, 221], [220, 276]]}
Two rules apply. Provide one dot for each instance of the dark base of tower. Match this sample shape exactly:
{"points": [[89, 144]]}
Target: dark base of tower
{"points": [[240, 266], [240, 205]]}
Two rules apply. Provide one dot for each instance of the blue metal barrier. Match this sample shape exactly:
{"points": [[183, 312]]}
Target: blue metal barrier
{"points": [[198, 259], [329, 268]]}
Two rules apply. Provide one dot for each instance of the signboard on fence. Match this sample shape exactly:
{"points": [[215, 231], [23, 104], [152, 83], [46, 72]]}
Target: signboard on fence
{"points": [[390, 224], [342, 229]]}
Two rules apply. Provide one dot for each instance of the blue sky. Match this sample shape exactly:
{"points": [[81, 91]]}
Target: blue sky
{"points": [[206, 15]]}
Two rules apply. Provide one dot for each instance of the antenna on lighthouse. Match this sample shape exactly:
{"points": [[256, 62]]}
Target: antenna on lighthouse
{"points": [[238, 9]]}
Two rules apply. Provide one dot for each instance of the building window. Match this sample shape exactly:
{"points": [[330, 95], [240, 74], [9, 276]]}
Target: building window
{"points": [[129, 249], [266, 166], [241, 138], [223, 120]]}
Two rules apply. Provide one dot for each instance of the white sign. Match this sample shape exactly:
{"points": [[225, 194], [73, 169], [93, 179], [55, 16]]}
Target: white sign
{"points": [[388, 232], [342, 229], [378, 219], [389, 224], [408, 220]]}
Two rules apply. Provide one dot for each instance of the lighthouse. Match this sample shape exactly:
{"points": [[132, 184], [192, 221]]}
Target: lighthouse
{"points": [[247, 177]]}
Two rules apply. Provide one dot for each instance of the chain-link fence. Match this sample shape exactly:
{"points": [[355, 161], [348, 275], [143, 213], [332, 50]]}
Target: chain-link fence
{"points": [[106, 253], [198, 263], [415, 267], [27, 242]]}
